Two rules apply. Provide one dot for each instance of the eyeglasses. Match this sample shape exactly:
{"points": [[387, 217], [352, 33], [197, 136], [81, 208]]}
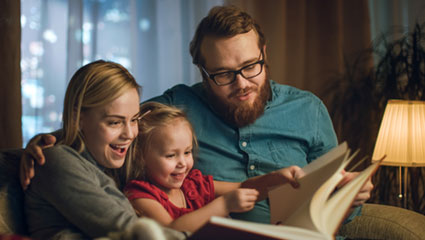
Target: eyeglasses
{"points": [[248, 71]]}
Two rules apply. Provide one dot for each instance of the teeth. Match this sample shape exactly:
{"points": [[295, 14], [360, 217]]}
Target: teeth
{"points": [[117, 147]]}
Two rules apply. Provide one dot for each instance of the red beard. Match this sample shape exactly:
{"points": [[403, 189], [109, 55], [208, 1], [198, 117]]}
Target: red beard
{"points": [[241, 115]]}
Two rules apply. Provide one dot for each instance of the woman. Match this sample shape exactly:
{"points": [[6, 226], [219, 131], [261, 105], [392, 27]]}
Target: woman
{"points": [[71, 197]]}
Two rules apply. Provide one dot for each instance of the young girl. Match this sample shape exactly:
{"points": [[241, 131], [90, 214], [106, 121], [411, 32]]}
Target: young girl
{"points": [[167, 189]]}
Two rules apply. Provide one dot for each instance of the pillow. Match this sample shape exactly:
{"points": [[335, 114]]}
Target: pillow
{"points": [[12, 219]]}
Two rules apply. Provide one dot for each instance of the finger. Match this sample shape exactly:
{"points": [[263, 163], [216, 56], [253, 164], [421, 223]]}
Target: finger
{"points": [[22, 176], [294, 183], [48, 140], [249, 191], [25, 167], [299, 174], [347, 177], [37, 153], [357, 204]]}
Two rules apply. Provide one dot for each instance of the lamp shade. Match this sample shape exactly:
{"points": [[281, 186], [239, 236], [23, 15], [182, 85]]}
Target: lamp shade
{"points": [[401, 136]]}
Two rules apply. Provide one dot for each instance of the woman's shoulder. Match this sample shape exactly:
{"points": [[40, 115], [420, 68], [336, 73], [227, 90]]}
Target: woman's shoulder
{"points": [[62, 157], [59, 150]]}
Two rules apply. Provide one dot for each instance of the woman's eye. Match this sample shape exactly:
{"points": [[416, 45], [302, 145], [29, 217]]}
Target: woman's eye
{"points": [[115, 123]]}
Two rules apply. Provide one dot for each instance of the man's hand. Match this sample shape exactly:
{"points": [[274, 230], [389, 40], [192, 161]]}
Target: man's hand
{"points": [[365, 191], [33, 151]]}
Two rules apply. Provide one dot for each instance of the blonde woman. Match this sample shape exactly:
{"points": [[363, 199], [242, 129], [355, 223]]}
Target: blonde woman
{"points": [[71, 197]]}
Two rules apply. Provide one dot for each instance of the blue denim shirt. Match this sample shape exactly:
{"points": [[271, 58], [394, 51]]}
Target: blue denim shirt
{"points": [[295, 129]]}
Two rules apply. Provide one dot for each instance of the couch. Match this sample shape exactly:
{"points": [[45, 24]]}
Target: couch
{"points": [[376, 222]]}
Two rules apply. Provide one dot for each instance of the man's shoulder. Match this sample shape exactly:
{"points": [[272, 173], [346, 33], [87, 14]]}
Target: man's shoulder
{"points": [[183, 89], [287, 92], [179, 93]]}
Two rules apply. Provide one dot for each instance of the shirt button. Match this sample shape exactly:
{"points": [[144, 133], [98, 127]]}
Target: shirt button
{"points": [[244, 144], [252, 167]]}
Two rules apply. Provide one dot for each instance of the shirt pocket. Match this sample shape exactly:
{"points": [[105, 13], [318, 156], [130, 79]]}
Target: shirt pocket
{"points": [[285, 153]]}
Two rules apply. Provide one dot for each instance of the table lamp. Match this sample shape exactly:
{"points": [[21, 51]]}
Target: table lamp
{"points": [[401, 138]]}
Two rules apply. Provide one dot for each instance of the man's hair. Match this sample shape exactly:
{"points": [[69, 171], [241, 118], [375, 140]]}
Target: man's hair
{"points": [[223, 21]]}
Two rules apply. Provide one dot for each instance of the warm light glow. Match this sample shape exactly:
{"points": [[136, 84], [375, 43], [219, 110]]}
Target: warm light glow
{"points": [[402, 134]]}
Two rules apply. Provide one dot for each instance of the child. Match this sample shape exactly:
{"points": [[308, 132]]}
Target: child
{"points": [[167, 189]]}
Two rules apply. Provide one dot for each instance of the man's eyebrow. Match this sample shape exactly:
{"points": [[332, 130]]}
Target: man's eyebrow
{"points": [[245, 63]]}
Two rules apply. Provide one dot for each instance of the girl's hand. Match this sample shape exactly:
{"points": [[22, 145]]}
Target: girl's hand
{"points": [[290, 175], [240, 200]]}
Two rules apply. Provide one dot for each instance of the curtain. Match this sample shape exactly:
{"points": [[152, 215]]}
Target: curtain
{"points": [[308, 40], [307, 43], [150, 38], [10, 77]]}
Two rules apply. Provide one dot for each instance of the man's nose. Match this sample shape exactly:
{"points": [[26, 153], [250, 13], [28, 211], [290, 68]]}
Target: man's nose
{"points": [[240, 81]]}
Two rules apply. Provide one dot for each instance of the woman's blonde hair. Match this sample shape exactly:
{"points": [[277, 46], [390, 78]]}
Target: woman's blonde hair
{"points": [[94, 85], [154, 115]]}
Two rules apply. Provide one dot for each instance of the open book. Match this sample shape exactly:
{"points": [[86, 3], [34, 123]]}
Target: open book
{"points": [[315, 210]]}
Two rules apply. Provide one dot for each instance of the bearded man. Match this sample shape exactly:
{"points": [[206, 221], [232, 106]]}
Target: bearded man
{"points": [[246, 124]]}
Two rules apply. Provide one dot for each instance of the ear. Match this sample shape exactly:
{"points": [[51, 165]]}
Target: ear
{"points": [[265, 52]]}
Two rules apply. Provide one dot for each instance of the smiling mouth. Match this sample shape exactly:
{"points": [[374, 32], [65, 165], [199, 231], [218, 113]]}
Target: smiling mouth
{"points": [[178, 175], [118, 148], [244, 96]]}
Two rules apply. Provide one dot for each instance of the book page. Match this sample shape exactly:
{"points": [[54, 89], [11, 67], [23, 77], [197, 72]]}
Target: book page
{"points": [[251, 230], [338, 205], [332, 155], [292, 206]]}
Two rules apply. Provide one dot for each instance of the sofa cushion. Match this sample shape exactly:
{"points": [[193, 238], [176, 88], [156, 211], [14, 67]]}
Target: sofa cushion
{"points": [[12, 220], [385, 222]]}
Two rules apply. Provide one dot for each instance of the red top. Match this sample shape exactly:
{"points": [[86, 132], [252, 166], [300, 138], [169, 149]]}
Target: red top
{"points": [[197, 189]]}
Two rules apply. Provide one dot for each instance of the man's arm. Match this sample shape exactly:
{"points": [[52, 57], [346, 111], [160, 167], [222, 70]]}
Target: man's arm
{"points": [[34, 152]]}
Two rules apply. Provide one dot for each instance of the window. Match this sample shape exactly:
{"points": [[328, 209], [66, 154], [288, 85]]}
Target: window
{"points": [[150, 38]]}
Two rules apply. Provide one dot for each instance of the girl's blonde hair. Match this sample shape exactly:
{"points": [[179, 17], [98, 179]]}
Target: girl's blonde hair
{"points": [[155, 115], [94, 85]]}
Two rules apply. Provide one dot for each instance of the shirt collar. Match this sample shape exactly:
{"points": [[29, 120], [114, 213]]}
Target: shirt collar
{"points": [[87, 155]]}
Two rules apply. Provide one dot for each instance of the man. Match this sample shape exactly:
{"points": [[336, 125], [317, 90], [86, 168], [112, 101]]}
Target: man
{"points": [[246, 124]]}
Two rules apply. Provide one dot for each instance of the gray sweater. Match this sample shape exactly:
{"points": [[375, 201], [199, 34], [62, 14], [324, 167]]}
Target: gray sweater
{"points": [[71, 197]]}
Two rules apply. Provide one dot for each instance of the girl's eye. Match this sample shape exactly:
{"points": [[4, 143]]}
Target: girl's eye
{"points": [[170, 155], [188, 152]]}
